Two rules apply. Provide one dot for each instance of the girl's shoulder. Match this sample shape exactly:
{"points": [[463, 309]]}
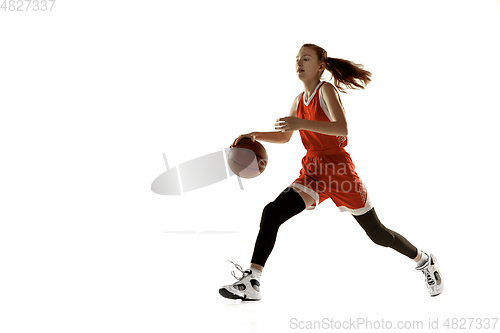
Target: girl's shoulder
{"points": [[327, 85], [329, 88]]}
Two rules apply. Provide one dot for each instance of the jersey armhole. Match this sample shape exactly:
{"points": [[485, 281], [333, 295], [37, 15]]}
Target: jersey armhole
{"points": [[323, 105], [298, 101]]}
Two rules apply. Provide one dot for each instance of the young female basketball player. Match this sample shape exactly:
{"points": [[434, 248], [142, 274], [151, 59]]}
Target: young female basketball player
{"points": [[327, 171]]}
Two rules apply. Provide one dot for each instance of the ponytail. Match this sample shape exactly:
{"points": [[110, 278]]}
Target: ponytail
{"points": [[348, 74], [344, 72]]}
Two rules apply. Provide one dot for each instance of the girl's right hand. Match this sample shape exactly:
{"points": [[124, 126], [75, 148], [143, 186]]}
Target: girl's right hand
{"points": [[251, 136]]}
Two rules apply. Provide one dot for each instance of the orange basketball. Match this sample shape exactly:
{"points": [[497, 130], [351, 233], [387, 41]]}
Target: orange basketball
{"points": [[247, 159]]}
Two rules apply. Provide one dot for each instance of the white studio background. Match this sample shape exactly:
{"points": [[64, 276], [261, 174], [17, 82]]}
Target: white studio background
{"points": [[93, 92]]}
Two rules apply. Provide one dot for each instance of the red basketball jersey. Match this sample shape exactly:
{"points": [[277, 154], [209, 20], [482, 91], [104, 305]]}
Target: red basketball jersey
{"points": [[316, 109]]}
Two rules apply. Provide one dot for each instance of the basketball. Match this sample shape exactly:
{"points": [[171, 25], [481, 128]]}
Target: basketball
{"points": [[247, 159]]}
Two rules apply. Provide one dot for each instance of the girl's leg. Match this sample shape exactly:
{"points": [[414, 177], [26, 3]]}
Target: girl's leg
{"points": [[418, 257], [288, 204], [385, 237], [380, 235]]}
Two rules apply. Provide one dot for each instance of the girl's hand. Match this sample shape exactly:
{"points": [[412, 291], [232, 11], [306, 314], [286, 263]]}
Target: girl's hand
{"points": [[252, 136], [288, 124]]}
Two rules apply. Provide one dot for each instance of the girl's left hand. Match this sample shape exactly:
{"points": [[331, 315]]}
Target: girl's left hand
{"points": [[287, 124]]}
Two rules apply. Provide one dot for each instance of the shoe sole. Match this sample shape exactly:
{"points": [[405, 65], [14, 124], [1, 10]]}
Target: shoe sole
{"points": [[225, 293]]}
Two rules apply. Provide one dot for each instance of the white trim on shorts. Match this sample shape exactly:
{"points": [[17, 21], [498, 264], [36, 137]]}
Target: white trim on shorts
{"points": [[307, 190], [360, 211]]}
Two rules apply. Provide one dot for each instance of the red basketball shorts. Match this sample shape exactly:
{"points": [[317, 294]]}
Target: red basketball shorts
{"points": [[330, 174]]}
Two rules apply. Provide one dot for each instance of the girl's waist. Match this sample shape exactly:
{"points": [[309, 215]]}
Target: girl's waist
{"points": [[324, 152]]}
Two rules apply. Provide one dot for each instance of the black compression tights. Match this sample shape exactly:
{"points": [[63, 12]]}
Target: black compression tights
{"points": [[289, 203], [385, 237]]}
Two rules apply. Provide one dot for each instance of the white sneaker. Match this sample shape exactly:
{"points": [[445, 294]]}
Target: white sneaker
{"points": [[433, 278], [247, 288]]}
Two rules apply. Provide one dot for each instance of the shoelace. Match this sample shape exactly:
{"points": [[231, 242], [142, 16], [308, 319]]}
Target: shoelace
{"points": [[245, 273]]}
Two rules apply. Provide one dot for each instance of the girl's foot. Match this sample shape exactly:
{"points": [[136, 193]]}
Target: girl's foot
{"points": [[247, 288]]}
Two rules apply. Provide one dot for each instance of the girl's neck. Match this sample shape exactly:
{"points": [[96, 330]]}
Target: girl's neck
{"points": [[310, 86]]}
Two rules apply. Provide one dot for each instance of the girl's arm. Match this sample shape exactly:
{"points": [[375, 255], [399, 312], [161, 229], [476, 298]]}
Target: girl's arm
{"points": [[338, 125], [272, 137], [324, 127]]}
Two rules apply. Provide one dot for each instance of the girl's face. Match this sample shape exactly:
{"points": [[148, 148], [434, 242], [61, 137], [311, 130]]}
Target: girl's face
{"points": [[307, 65]]}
